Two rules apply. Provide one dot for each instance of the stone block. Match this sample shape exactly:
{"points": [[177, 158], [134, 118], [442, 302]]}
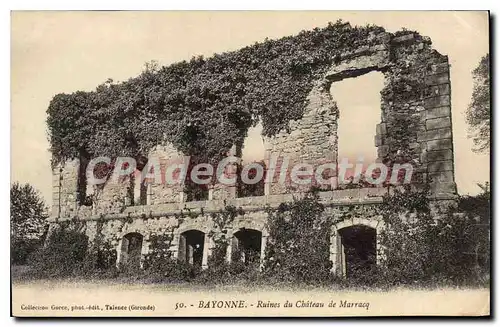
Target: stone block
{"points": [[435, 90], [436, 123], [443, 189], [435, 134], [440, 166], [439, 155], [438, 112], [404, 38], [359, 65], [439, 144], [436, 79], [381, 128], [437, 101], [442, 177], [414, 145], [382, 151], [440, 68]]}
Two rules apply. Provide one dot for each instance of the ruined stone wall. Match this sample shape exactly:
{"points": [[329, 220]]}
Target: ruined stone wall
{"points": [[161, 192], [312, 139], [348, 208], [64, 188]]}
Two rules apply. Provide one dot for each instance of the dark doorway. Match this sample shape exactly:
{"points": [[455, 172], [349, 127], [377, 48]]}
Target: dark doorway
{"points": [[191, 246], [360, 247], [247, 246], [131, 251]]}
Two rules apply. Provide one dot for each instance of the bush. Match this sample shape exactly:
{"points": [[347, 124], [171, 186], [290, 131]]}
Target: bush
{"points": [[170, 270], [65, 252], [298, 248], [21, 249], [159, 266], [429, 247], [99, 262]]}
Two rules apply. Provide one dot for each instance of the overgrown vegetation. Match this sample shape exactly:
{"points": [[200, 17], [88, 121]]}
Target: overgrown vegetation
{"points": [[299, 242], [478, 114], [27, 221], [204, 106], [63, 255], [421, 245], [160, 266], [426, 242]]}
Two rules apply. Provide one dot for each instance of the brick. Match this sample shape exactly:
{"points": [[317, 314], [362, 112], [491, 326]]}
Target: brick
{"points": [[437, 101], [435, 79], [435, 134], [439, 155], [436, 123], [440, 166], [438, 112], [439, 144], [378, 140]]}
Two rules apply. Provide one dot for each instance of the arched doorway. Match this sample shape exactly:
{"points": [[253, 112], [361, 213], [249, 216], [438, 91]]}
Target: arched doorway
{"points": [[191, 247], [358, 245], [131, 250], [247, 246]]}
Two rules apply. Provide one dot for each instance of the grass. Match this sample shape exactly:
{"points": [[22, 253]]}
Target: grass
{"points": [[23, 276]]}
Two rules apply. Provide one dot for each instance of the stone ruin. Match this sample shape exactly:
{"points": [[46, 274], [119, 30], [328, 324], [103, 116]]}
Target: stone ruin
{"points": [[312, 139]]}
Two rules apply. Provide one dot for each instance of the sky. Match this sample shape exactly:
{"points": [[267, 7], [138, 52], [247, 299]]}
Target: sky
{"points": [[61, 52]]}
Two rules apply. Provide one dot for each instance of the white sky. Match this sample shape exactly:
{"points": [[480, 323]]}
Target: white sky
{"points": [[54, 52], [358, 100]]}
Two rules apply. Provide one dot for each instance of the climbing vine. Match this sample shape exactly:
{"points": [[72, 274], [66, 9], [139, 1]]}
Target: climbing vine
{"points": [[299, 241], [219, 235], [427, 242], [202, 106]]}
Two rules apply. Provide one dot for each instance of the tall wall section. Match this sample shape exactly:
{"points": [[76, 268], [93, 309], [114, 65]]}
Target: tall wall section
{"points": [[415, 103]]}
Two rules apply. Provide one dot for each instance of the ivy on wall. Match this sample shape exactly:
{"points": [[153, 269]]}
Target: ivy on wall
{"points": [[202, 106], [298, 247], [403, 100], [430, 242]]}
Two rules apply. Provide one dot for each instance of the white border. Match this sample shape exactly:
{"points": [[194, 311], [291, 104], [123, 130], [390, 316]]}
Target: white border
{"points": [[7, 6]]}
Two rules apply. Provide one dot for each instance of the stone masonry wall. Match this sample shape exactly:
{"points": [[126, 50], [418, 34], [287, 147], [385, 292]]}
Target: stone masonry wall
{"points": [[312, 140], [349, 208]]}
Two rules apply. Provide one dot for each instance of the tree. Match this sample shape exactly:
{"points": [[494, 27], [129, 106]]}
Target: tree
{"points": [[27, 220], [477, 208], [478, 112]]}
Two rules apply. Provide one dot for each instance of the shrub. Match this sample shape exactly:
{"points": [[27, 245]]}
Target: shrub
{"points": [[21, 249], [159, 265], [100, 261], [170, 270], [298, 248], [65, 251], [27, 221], [424, 246]]}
